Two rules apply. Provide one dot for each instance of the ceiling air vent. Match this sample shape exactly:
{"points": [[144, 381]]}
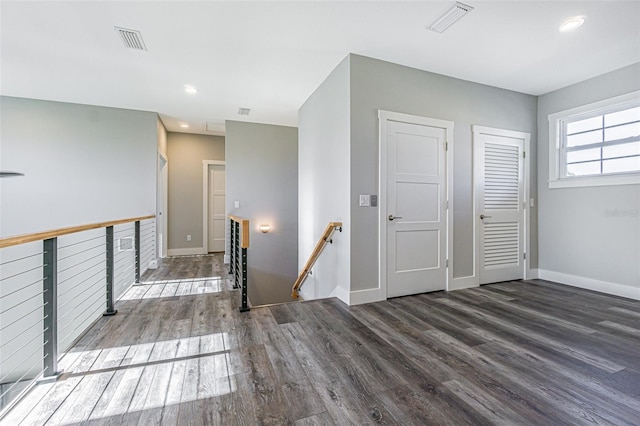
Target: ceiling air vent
{"points": [[244, 111], [450, 17], [132, 39]]}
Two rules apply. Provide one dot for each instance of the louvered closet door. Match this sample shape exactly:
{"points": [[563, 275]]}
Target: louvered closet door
{"points": [[500, 207]]}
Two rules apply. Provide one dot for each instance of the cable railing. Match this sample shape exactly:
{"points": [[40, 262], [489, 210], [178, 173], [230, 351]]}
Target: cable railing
{"points": [[322, 242], [239, 231], [54, 285]]}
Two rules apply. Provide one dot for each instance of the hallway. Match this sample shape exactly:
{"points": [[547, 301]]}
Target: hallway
{"points": [[180, 353]]}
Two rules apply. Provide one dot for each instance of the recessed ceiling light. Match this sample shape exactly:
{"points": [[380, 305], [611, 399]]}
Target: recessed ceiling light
{"points": [[190, 89], [571, 24], [184, 125]]}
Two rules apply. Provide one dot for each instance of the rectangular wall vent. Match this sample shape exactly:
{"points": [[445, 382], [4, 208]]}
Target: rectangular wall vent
{"points": [[132, 39], [125, 244], [244, 111], [450, 17]]}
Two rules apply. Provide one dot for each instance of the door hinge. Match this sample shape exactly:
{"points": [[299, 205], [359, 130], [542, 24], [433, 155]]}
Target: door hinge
{"points": [[446, 263], [446, 205], [524, 256], [446, 146], [524, 154]]}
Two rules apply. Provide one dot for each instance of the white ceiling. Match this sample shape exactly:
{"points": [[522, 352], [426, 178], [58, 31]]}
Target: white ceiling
{"points": [[270, 56]]}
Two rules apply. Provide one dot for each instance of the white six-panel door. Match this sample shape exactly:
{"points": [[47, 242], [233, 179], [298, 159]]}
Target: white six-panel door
{"points": [[500, 203], [415, 214]]}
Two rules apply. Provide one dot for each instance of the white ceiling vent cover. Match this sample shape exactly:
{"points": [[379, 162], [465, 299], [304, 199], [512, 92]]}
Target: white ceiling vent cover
{"points": [[450, 17], [132, 39], [244, 111]]}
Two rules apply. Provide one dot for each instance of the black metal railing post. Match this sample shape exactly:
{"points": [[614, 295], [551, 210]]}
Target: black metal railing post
{"points": [[50, 296], [236, 259], [245, 306], [110, 253], [137, 243], [232, 231]]}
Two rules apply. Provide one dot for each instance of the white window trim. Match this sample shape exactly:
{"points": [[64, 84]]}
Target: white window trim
{"points": [[555, 179]]}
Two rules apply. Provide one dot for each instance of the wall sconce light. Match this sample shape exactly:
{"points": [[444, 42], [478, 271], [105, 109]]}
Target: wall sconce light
{"points": [[265, 228]]}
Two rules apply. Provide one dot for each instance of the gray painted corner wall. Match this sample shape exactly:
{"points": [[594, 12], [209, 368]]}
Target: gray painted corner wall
{"points": [[162, 138], [82, 164], [378, 85], [262, 175], [324, 182], [578, 234], [186, 152]]}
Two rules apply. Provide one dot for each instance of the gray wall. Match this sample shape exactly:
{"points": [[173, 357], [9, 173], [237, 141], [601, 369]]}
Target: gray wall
{"points": [[576, 235], [324, 182], [382, 85], [186, 152], [82, 164], [262, 175]]}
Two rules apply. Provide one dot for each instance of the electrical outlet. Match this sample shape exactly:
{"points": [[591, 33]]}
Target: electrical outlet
{"points": [[188, 237]]}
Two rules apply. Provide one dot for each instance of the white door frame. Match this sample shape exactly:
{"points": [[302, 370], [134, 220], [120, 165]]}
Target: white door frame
{"points": [[478, 130], [162, 210], [205, 200], [383, 118]]}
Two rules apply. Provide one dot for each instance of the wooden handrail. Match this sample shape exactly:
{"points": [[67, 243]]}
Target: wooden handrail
{"points": [[38, 236], [322, 242], [244, 223]]}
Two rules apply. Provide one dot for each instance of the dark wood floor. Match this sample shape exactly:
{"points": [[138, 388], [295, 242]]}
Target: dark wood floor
{"points": [[516, 353]]}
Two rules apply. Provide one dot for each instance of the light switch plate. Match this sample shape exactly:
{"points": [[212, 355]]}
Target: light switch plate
{"points": [[374, 201], [236, 204], [365, 200]]}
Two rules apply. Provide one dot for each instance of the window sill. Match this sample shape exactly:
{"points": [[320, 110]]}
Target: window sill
{"points": [[632, 179]]}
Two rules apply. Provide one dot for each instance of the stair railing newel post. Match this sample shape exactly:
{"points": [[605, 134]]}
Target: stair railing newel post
{"points": [[137, 241], [110, 254], [232, 246], [245, 303], [239, 229], [236, 282], [50, 308]]}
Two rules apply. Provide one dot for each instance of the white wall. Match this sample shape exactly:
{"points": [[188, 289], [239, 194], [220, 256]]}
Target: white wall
{"points": [[382, 85], [262, 175], [324, 184], [82, 164], [582, 240]]}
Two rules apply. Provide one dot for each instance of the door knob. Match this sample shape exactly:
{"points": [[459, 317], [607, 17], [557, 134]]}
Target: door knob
{"points": [[392, 217], [483, 217]]}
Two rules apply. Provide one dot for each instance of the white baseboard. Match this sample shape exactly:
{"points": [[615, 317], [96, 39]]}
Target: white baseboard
{"points": [[186, 251], [591, 284], [532, 274], [369, 295], [341, 294], [227, 258], [462, 283]]}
